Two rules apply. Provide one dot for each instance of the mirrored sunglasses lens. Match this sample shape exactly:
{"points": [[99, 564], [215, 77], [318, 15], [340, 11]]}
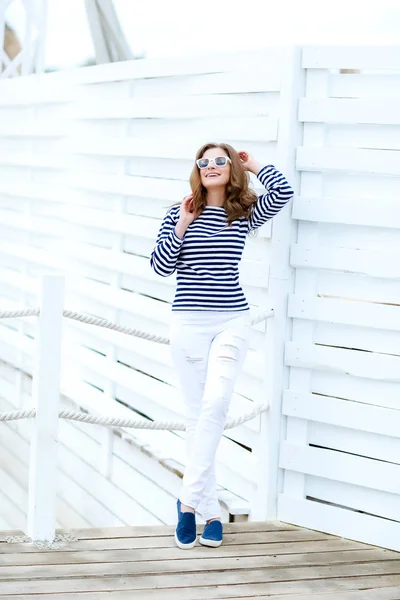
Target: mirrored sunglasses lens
{"points": [[202, 163], [220, 161]]}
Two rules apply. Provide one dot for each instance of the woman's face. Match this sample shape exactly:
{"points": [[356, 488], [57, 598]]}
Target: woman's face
{"points": [[213, 177]]}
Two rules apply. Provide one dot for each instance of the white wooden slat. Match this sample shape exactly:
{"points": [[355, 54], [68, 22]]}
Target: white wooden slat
{"points": [[379, 111], [233, 82], [347, 311], [340, 466], [247, 129], [348, 211], [357, 160], [342, 285], [42, 160], [372, 502], [336, 521], [34, 91], [355, 441], [352, 362], [383, 57], [316, 84], [44, 129], [359, 389], [363, 136], [335, 411], [382, 341], [8, 508], [189, 107], [351, 85], [150, 147], [34, 191], [350, 260], [179, 66]]}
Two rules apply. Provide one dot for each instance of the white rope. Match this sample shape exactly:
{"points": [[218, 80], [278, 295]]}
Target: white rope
{"points": [[129, 423], [98, 322], [116, 421]]}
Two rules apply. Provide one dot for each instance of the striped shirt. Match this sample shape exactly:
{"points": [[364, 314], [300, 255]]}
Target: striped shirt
{"points": [[207, 259]]}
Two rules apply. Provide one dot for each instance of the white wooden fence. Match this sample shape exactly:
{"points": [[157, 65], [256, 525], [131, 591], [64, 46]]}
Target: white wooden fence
{"points": [[89, 163], [90, 160], [340, 454]]}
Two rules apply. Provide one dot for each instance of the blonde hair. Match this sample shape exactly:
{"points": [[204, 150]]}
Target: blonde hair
{"points": [[239, 198]]}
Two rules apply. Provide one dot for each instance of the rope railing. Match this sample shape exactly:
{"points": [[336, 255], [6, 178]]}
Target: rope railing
{"points": [[118, 421], [100, 322], [128, 423]]}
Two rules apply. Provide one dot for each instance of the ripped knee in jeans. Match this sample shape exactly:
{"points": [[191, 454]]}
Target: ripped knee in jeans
{"points": [[230, 353]]}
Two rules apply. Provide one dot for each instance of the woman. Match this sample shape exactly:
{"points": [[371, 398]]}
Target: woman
{"points": [[203, 239]]}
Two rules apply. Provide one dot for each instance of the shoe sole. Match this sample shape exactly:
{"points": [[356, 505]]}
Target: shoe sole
{"points": [[210, 543], [184, 546]]}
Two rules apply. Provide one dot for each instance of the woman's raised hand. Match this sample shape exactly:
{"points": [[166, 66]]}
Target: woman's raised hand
{"points": [[249, 163], [186, 212], [186, 216]]}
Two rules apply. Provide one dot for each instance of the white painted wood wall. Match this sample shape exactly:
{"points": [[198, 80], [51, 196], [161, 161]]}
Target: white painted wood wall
{"points": [[89, 163], [340, 454], [90, 160]]}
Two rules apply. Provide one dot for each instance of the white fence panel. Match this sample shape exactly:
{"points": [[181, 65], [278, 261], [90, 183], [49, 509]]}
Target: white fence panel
{"points": [[90, 160], [341, 454]]}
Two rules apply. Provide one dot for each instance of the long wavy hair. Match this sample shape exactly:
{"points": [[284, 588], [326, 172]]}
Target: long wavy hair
{"points": [[239, 197]]}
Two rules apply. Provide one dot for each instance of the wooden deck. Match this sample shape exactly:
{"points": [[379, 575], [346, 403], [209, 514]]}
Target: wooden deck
{"points": [[257, 560]]}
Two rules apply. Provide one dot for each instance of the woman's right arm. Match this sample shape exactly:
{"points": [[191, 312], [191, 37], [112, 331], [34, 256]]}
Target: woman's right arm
{"points": [[170, 237], [168, 245]]}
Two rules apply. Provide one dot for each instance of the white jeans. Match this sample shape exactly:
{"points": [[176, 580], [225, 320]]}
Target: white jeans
{"points": [[208, 349]]}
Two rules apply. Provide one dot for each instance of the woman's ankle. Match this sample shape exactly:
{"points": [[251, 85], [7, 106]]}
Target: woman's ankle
{"points": [[185, 508], [213, 519]]}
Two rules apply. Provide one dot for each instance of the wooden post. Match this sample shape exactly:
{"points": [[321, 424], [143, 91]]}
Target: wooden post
{"points": [[46, 397]]}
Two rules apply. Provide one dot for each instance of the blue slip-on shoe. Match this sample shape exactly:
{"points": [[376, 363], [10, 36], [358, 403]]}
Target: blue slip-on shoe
{"points": [[185, 533], [212, 534]]}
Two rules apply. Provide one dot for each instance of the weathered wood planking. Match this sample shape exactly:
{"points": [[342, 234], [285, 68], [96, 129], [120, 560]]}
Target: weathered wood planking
{"points": [[312, 564]]}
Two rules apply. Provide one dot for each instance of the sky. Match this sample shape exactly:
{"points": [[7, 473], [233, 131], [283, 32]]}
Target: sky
{"points": [[165, 28]]}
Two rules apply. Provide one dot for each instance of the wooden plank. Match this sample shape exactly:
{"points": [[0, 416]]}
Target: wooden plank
{"points": [[357, 160], [211, 62], [369, 57], [186, 107], [340, 466], [349, 523], [370, 365], [381, 560], [93, 554], [284, 543], [335, 411], [379, 111], [341, 589], [265, 577], [347, 211], [374, 263], [369, 85]]}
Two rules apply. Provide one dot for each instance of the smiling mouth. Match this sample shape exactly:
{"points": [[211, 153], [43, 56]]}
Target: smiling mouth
{"points": [[212, 175]]}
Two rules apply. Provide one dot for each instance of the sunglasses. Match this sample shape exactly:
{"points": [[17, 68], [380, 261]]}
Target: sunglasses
{"points": [[219, 161]]}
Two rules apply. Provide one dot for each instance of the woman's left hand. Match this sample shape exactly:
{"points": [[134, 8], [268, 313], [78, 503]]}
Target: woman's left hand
{"points": [[249, 163]]}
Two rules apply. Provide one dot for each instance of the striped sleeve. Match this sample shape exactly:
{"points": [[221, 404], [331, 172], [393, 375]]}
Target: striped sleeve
{"points": [[168, 245], [279, 192]]}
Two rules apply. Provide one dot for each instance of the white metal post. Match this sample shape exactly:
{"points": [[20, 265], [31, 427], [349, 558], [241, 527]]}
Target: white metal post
{"points": [[46, 397]]}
